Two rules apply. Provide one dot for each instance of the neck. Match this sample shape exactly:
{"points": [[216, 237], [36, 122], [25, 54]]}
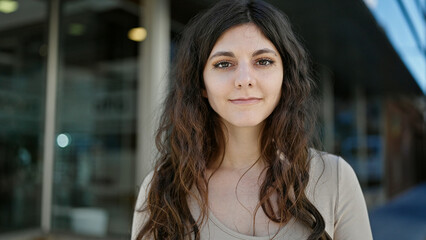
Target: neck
{"points": [[242, 148]]}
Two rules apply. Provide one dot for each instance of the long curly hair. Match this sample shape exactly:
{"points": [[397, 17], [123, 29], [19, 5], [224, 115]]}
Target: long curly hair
{"points": [[190, 135]]}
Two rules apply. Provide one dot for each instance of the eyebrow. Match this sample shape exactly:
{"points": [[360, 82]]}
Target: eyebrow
{"points": [[262, 51], [230, 54], [222, 53]]}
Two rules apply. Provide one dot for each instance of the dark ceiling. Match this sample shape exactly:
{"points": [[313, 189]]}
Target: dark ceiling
{"points": [[342, 36]]}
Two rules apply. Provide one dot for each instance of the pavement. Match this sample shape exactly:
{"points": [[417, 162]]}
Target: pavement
{"points": [[402, 218]]}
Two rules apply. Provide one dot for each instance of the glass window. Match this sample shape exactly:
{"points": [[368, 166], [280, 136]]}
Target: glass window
{"points": [[93, 191], [23, 35]]}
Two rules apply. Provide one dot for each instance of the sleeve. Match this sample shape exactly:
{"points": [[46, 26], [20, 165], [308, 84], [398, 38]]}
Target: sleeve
{"points": [[139, 218], [351, 217]]}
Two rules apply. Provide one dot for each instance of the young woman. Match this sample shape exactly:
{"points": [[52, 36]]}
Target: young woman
{"points": [[234, 140]]}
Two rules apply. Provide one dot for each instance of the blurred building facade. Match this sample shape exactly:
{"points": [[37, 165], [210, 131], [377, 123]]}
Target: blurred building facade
{"points": [[81, 82]]}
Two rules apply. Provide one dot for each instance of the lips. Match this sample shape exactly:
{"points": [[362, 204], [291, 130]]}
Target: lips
{"points": [[245, 101]]}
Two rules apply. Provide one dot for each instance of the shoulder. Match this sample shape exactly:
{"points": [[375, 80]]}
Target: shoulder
{"points": [[326, 167], [330, 173], [140, 216], [323, 175], [330, 177], [338, 196], [143, 190]]}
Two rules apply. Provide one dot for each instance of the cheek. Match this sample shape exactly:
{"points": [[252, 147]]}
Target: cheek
{"points": [[275, 90], [211, 93], [274, 84], [216, 85]]}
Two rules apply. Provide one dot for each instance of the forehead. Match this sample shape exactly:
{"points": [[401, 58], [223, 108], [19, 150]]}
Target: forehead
{"points": [[242, 37]]}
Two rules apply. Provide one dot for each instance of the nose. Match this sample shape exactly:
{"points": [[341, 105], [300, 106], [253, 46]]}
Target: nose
{"points": [[244, 76]]}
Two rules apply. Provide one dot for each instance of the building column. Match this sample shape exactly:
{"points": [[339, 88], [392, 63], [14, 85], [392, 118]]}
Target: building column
{"points": [[361, 132], [154, 58], [50, 114], [328, 109]]}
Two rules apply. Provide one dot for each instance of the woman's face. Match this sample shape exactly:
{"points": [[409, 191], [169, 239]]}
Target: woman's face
{"points": [[243, 76]]}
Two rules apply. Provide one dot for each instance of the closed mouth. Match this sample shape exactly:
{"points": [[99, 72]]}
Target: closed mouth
{"points": [[251, 100]]}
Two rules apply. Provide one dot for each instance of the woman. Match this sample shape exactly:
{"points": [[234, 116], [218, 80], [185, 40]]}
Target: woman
{"points": [[234, 159]]}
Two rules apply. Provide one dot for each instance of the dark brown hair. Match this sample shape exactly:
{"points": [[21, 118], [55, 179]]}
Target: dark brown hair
{"points": [[190, 134]]}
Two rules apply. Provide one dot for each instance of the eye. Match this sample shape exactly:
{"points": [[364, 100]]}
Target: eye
{"points": [[264, 62], [222, 64]]}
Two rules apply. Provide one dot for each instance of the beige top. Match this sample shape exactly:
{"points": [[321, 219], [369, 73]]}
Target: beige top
{"points": [[333, 188]]}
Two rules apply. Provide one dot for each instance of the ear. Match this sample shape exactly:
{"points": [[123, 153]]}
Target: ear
{"points": [[204, 93]]}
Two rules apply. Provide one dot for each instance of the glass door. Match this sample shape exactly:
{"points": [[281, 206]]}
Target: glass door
{"points": [[23, 51], [93, 187]]}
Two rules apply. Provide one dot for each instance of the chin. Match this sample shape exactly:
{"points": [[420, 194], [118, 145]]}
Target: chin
{"points": [[245, 123]]}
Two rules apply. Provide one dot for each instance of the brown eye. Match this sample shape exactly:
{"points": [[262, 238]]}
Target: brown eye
{"points": [[265, 62], [222, 65]]}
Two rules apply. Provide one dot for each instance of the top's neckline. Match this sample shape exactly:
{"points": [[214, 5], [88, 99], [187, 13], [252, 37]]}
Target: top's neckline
{"points": [[238, 235]]}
